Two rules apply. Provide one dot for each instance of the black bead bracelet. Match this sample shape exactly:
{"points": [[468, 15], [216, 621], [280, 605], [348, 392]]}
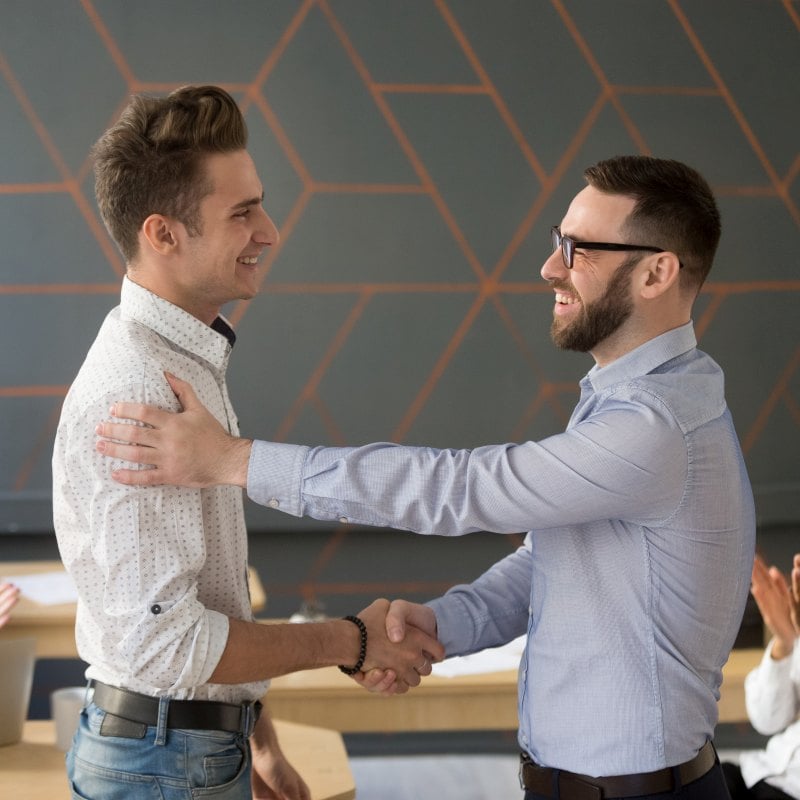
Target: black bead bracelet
{"points": [[362, 653]]}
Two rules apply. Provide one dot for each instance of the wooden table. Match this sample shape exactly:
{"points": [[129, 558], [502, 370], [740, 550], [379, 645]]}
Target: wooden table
{"points": [[53, 627], [34, 768], [328, 698], [331, 699], [471, 702]]}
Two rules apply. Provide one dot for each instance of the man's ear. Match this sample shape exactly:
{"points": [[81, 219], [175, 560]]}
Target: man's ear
{"points": [[661, 274], [160, 234]]}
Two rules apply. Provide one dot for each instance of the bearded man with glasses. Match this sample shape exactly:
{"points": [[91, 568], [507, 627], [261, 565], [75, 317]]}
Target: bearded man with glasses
{"points": [[633, 577]]}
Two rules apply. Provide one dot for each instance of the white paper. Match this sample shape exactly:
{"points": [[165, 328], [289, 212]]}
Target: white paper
{"points": [[46, 588], [494, 659]]}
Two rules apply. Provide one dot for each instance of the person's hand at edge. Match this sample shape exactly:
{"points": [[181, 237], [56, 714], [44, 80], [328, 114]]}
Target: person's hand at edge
{"points": [[273, 777], [9, 597], [774, 598], [189, 448], [795, 594]]}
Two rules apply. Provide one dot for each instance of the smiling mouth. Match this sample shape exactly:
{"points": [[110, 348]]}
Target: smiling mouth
{"points": [[565, 299], [249, 260]]}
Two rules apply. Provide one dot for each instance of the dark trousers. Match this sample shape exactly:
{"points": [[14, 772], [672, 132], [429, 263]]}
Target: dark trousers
{"points": [[710, 787], [761, 791]]}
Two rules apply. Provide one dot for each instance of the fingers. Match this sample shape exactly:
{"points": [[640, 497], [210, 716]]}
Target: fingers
{"points": [[128, 452], [402, 613], [139, 477], [409, 658], [378, 681], [9, 597], [183, 391], [396, 621], [760, 573]]}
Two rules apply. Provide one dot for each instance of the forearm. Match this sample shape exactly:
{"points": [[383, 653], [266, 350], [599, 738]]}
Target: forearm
{"points": [[257, 652]]}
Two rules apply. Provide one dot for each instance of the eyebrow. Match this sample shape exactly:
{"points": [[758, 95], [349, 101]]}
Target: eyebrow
{"points": [[253, 201]]}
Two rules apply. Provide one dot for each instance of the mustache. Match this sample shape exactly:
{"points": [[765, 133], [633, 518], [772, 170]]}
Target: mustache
{"points": [[561, 285]]}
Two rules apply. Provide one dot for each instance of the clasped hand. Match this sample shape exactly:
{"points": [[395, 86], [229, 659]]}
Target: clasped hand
{"points": [[405, 646]]}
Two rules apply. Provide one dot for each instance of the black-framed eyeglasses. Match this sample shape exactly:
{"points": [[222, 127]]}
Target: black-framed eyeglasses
{"points": [[568, 246]]}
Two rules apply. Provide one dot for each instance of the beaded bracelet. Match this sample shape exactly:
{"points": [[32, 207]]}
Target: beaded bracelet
{"points": [[362, 653]]}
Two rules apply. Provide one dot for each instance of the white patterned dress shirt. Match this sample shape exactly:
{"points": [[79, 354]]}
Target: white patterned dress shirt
{"points": [[159, 570]]}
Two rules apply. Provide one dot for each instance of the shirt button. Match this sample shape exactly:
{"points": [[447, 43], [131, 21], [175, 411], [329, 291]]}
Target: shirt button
{"points": [[156, 609], [274, 503], [343, 520]]}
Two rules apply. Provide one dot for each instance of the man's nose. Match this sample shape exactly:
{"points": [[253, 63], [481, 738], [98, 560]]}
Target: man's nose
{"points": [[266, 232], [553, 268]]}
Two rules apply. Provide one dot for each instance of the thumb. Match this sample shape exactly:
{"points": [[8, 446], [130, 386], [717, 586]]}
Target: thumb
{"points": [[396, 622], [183, 391]]}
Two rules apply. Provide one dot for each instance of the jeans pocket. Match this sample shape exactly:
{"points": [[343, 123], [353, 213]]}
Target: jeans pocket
{"points": [[222, 769]]}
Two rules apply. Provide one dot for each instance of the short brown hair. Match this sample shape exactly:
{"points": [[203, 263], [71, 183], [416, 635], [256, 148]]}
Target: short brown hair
{"points": [[674, 208], [151, 160]]}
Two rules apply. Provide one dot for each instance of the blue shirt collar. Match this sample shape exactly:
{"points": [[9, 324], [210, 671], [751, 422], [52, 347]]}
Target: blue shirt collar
{"points": [[645, 358]]}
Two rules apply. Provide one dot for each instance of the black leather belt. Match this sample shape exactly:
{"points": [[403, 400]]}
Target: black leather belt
{"points": [[572, 786], [185, 714]]}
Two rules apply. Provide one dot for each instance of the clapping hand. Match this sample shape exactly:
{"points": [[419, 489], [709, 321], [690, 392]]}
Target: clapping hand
{"points": [[778, 601]]}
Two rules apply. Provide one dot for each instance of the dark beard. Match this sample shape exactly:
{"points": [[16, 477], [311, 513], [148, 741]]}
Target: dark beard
{"points": [[600, 318]]}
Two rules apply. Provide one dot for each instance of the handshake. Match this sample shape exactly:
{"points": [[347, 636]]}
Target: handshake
{"points": [[401, 646]]}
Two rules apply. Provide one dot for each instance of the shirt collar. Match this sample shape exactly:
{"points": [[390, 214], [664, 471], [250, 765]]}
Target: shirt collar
{"points": [[645, 358], [209, 342]]}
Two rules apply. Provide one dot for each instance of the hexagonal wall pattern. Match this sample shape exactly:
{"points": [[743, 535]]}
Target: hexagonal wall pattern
{"points": [[414, 154]]}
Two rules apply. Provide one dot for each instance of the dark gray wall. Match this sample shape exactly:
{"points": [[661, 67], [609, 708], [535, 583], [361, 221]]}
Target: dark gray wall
{"points": [[414, 154]]}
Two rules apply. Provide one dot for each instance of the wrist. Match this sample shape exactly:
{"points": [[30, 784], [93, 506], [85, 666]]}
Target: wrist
{"points": [[235, 463], [781, 648], [351, 668]]}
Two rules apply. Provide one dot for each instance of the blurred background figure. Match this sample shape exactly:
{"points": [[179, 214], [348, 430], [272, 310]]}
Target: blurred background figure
{"points": [[772, 693]]}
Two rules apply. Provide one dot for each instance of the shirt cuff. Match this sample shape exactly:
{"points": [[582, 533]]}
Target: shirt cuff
{"points": [[274, 475], [451, 624], [777, 668], [216, 637]]}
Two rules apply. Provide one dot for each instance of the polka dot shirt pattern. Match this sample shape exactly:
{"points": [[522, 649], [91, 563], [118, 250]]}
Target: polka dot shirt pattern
{"points": [[159, 570]]}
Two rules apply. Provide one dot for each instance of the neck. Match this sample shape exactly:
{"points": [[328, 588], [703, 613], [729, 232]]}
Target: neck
{"points": [[153, 280], [630, 335]]}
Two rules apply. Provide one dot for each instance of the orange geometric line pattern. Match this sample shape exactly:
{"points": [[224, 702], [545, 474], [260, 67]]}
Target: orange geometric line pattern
{"points": [[485, 281]]}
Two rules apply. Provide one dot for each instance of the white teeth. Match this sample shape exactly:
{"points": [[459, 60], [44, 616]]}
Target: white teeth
{"points": [[564, 298], [248, 259]]}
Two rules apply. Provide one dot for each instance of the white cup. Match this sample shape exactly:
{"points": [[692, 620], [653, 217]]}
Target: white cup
{"points": [[65, 708]]}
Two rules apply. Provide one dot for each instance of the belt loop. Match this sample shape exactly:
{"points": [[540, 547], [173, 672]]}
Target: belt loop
{"points": [[556, 787], [161, 723]]}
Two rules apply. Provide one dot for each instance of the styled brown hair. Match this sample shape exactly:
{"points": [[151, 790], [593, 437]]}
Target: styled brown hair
{"points": [[152, 160], [674, 209]]}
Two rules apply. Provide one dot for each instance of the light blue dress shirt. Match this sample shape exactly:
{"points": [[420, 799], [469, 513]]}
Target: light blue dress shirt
{"points": [[633, 577]]}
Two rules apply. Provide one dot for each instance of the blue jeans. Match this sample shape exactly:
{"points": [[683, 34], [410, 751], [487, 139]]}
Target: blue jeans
{"points": [[710, 787], [163, 765]]}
